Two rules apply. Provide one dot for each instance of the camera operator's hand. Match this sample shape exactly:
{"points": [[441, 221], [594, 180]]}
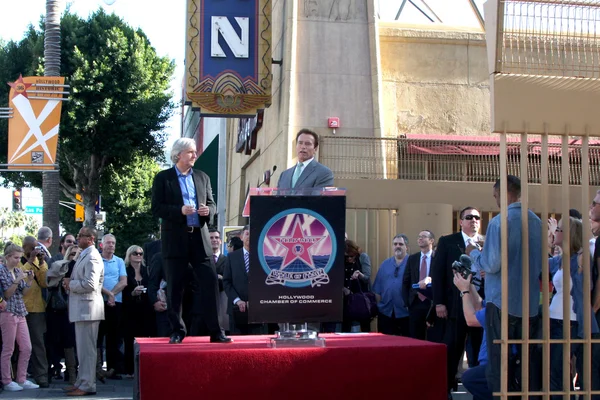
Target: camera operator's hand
{"points": [[35, 253], [461, 283], [423, 283], [441, 311]]}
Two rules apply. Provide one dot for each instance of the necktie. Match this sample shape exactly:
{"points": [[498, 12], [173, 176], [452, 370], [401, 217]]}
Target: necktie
{"points": [[423, 275], [247, 261], [297, 173], [216, 258]]}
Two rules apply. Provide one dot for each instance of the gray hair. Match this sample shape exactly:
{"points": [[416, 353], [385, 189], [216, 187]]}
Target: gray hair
{"points": [[401, 236], [109, 235], [44, 233], [180, 145]]}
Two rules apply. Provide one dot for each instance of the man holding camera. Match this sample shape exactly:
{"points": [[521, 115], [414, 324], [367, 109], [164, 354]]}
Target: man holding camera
{"points": [[33, 263], [447, 298]]}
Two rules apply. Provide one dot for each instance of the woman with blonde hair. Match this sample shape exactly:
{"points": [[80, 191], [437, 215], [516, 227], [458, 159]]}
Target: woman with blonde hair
{"points": [[137, 310], [13, 324]]}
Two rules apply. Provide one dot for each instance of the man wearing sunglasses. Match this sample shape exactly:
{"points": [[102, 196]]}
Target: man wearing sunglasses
{"points": [[446, 297], [393, 314]]}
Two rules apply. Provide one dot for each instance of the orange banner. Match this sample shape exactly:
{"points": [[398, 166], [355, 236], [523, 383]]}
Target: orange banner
{"points": [[33, 129]]}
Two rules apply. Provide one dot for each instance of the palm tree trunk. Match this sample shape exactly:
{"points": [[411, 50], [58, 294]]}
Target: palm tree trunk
{"points": [[50, 182]]}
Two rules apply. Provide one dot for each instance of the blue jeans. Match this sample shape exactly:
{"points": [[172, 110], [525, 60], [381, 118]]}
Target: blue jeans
{"points": [[556, 356], [475, 382]]}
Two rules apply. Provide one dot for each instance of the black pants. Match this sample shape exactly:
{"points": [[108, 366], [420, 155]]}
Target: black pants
{"points": [[455, 337], [207, 283], [392, 325], [111, 330], [417, 319], [493, 332]]}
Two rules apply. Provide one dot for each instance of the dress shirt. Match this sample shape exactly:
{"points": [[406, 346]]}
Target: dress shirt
{"points": [[427, 260], [114, 269], [489, 260], [245, 252], [388, 285], [305, 163], [188, 190], [466, 238]]}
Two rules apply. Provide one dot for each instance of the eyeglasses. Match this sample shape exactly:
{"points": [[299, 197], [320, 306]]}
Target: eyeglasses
{"points": [[137, 253], [471, 217]]}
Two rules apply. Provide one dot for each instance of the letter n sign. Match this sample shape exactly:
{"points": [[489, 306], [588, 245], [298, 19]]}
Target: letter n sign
{"points": [[228, 56]]}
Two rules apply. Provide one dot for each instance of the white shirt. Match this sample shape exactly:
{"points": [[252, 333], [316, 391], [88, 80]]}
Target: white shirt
{"points": [[304, 163], [427, 260], [556, 306], [468, 239]]}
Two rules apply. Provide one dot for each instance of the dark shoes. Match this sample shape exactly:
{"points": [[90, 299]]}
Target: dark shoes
{"points": [[220, 338], [43, 385], [176, 338], [79, 392]]}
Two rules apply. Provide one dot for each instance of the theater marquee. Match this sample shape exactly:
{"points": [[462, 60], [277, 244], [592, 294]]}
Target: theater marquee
{"points": [[228, 56]]}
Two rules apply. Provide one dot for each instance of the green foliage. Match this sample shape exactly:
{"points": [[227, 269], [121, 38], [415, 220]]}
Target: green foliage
{"points": [[16, 239], [12, 220], [128, 196], [114, 121]]}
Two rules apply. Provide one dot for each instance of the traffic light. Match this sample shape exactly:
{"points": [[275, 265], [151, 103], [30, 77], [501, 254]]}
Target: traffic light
{"points": [[17, 200]]}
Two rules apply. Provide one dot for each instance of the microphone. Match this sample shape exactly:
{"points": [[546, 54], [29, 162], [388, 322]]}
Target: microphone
{"points": [[466, 261]]}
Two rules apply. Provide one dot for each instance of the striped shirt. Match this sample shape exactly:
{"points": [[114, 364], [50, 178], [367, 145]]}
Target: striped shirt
{"points": [[15, 304]]}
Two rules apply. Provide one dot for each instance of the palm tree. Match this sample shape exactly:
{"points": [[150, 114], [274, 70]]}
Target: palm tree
{"points": [[50, 181]]}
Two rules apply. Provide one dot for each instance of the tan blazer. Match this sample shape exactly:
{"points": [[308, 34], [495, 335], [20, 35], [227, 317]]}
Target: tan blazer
{"points": [[85, 297]]}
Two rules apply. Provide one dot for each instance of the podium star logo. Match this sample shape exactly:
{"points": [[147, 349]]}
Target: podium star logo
{"points": [[297, 246], [20, 87]]}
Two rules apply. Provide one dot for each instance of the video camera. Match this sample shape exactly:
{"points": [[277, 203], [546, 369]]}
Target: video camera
{"points": [[463, 267]]}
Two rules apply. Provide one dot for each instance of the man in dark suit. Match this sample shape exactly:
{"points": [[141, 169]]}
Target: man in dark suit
{"points": [[446, 296], [150, 249], [182, 199], [308, 173], [235, 281], [418, 271]]}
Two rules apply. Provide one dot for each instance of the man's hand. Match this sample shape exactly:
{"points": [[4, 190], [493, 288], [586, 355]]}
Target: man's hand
{"points": [[203, 210], [111, 300], [241, 305], [66, 283], [188, 210], [220, 276], [160, 306], [33, 255], [461, 283], [441, 311], [423, 283], [470, 248]]}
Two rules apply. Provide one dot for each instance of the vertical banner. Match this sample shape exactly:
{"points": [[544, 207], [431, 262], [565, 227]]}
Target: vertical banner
{"points": [[228, 56], [33, 131], [296, 258]]}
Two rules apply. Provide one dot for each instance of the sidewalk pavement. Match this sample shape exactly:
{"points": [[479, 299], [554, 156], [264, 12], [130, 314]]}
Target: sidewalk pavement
{"points": [[112, 390]]}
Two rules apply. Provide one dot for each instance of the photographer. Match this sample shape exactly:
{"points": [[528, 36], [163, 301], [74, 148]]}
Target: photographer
{"points": [[473, 306], [33, 262]]}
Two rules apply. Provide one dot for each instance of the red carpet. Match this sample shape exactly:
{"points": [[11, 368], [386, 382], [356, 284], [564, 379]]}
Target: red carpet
{"points": [[350, 367]]}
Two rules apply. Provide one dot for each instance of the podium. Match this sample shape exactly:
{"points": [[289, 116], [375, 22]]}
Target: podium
{"points": [[297, 260]]}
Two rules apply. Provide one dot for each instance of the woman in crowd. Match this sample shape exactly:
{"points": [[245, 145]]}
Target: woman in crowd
{"points": [[137, 310], [60, 331], [356, 279], [557, 319], [13, 324]]}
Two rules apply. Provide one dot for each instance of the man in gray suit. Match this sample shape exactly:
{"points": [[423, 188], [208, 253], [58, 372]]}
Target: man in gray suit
{"points": [[308, 173], [86, 310]]}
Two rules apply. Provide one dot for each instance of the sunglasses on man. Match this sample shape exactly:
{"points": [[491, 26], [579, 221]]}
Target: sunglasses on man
{"points": [[472, 217]]}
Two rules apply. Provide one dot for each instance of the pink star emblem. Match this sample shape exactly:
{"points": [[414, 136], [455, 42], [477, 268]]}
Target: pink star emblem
{"points": [[297, 246], [20, 87]]}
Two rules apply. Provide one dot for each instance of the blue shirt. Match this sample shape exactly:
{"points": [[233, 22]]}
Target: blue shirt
{"points": [[186, 183], [388, 285], [114, 269], [577, 294], [489, 260], [480, 315]]}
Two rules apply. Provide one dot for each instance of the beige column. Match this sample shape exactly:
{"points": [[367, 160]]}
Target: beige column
{"points": [[415, 217]]}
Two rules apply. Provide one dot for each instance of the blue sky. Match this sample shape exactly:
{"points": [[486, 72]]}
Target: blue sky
{"points": [[163, 21]]}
